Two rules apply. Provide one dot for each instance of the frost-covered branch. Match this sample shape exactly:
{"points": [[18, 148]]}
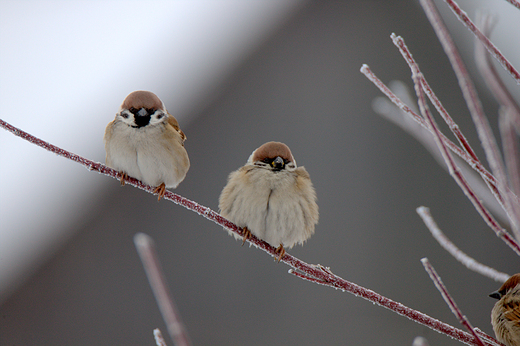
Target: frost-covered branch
{"points": [[449, 300], [475, 164], [459, 255], [314, 273], [493, 50]]}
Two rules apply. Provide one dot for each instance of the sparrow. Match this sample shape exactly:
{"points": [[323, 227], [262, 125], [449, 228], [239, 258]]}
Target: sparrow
{"points": [[505, 316], [271, 198], [144, 141]]}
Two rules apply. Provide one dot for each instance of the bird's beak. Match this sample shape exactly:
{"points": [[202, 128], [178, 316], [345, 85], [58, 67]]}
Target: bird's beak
{"points": [[142, 118], [142, 112], [278, 163], [495, 295]]}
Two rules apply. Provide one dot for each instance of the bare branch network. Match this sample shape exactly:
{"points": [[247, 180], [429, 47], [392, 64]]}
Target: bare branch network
{"points": [[503, 181]]}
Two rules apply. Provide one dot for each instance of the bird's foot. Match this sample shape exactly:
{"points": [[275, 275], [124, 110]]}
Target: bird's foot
{"points": [[160, 190], [124, 176], [246, 234], [280, 251]]}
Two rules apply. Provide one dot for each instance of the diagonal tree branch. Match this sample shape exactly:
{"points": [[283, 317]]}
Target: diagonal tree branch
{"points": [[449, 300], [493, 50], [314, 273]]}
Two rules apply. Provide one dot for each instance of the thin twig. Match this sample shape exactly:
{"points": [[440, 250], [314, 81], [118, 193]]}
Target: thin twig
{"points": [[407, 55], [463, 17], [458, 254], [314, 273], [449, 300], [476, 165], [514, 3], [490, 74], [152, 266]]}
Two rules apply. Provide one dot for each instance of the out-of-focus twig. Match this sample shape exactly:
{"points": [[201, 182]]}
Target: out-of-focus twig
{"points": [[152, 266], [420, 341], [459, 255]]}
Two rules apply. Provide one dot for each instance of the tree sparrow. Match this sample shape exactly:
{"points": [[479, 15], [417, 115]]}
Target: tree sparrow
{"points": [[505, 316], [145, 142], [271, 198]]}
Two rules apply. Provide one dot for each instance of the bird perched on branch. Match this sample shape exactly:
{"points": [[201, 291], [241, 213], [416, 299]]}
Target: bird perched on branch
{"points": [[505, 316], [271, 198], [145, 142]]}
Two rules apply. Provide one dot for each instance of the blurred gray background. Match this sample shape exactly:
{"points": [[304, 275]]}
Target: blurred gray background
{"points": [[300, 85]]}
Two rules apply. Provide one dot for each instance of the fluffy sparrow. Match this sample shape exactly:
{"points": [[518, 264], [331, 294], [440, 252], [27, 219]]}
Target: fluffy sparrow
{"points": [[505, 316], [271, 198], [145, 142]]}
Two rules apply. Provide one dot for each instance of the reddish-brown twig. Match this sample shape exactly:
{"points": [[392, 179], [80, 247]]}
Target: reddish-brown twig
{"points": [[475, 164], [463, 17], [449, 300]]}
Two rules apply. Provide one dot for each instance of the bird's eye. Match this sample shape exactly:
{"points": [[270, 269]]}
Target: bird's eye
{"points": [[132, 110], [150, 111], [266, 160], [160, 115]]}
